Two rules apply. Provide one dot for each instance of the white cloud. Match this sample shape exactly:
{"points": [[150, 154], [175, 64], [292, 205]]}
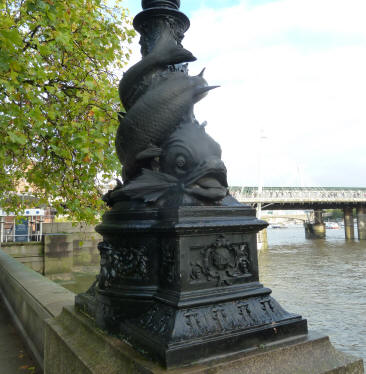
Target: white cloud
{"points": [[295, 68]]}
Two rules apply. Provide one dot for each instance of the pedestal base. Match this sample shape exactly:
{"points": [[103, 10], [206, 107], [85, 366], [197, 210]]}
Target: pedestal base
{"points": [[177, 337], [185, 285], [74, 345]]}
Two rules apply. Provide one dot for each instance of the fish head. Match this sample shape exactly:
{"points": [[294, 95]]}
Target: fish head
{"points": [[194, 158]]}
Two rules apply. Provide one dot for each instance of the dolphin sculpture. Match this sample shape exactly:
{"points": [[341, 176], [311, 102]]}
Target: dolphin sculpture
{"points": [[159, 142]]}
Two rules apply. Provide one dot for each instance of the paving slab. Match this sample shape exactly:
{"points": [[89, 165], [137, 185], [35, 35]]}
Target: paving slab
{"points": [[14, 358]]}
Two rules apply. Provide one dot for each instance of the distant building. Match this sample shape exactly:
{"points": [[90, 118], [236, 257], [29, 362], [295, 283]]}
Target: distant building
{"points": [[29, 227]]}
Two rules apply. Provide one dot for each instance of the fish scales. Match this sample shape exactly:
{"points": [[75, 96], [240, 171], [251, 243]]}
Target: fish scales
{"points": [[155, 115], [139, 77]]}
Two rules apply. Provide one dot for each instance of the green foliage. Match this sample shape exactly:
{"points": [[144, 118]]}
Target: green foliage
{"points": [[58, 100], [334, 214]]}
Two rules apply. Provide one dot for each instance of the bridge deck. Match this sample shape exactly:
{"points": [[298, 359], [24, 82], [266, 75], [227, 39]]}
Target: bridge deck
{"points": [[301, 198]]}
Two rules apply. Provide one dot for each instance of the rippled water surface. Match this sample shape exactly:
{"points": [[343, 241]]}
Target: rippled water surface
{"points": [[323, 280]]}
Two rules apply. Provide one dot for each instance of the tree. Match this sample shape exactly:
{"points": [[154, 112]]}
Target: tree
{"points": [[59, 100]]}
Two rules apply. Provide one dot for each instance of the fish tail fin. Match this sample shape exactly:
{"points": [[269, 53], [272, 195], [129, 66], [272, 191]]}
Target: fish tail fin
{"points": [[167, 51]]}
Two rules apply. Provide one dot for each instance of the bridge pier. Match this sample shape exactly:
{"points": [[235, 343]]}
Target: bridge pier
{"points": [[361, 222], [315, 230], [262, 242], [349, 229]]}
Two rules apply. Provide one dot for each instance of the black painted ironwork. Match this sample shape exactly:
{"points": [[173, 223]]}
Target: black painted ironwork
{"points": [[179, 269]]}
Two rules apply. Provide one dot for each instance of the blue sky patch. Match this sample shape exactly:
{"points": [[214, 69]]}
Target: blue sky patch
{"points": [[190, 6]]}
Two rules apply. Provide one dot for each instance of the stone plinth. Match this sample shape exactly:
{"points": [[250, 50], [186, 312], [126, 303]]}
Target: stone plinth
{"points": [[74, 345]]}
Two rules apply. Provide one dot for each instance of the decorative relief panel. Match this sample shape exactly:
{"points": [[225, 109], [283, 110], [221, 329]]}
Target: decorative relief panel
{"points": [[168, 266], [230, 316], [221, 261], [117, 263], [159, 320], [247, 314], [177, 325]]}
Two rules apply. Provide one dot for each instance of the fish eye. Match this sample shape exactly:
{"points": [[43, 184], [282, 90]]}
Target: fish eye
{"points": [[177, 159], [180, 161]]}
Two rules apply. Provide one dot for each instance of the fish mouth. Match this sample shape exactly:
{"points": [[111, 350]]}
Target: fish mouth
{"points": [[208, 181], [209, 188]]}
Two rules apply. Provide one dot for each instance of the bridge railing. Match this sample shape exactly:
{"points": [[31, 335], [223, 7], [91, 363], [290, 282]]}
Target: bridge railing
{"points": [[301, 195]]}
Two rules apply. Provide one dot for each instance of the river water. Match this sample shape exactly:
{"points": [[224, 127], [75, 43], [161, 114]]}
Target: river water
{"points": [[323, 280]]}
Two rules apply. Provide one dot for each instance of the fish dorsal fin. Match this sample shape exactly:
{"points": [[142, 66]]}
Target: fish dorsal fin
{"points": [[149, 153], [202, 72], [201, 92]]}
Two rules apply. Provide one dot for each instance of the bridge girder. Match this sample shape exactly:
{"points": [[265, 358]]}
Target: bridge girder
{"points": [[306, 206]]}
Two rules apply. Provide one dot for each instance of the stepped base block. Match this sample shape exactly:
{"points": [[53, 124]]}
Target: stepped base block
{"points": [[74, 345], [178, 337]]}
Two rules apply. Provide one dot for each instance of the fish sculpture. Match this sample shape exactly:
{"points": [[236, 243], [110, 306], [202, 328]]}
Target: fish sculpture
{"points": [[160, 144], [190, 166], [154, 116]]}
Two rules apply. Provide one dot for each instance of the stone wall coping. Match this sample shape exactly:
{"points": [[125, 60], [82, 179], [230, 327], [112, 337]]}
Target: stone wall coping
{"points": [[49, 295], [19, 244], [31, 299], [66, 228]]}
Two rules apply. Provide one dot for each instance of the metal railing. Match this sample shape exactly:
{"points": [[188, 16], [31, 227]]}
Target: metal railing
{"points": [[31, 232]]}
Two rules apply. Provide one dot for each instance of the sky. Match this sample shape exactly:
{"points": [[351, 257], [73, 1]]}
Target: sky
{"points": [[291, 106]]}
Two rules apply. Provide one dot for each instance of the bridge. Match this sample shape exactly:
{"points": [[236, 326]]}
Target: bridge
{"points": [[284, 218], [301, 198], [310, 198]]}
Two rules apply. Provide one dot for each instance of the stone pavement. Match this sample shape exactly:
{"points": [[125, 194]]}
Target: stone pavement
{"points": [[14, 359]]}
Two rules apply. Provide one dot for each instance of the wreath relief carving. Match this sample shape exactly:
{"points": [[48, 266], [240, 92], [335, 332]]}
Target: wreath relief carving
{"points": [[221, 261]]}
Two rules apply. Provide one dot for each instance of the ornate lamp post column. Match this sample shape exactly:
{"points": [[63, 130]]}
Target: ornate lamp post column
{"points": [[179, 271]]}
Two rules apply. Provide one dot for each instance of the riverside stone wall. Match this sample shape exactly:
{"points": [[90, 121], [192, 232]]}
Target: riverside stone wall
{"points": [[64, 247], [31, 299]]}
